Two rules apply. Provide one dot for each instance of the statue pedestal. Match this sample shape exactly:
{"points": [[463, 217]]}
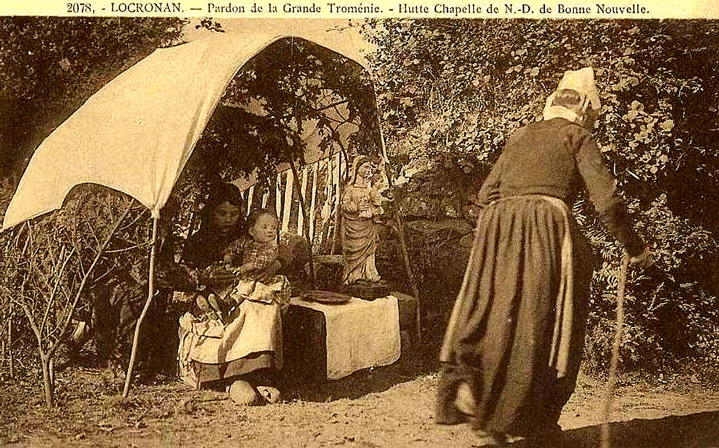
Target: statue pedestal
{"points": [[367, 290]]}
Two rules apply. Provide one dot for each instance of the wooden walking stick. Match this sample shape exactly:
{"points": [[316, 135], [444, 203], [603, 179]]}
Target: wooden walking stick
{"points": [[612, 379]]}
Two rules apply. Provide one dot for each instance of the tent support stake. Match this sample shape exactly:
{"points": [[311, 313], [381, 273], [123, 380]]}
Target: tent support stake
{"points": [[400, 225], [405, 256], [148, 302], [410, 274], [306, 229]]}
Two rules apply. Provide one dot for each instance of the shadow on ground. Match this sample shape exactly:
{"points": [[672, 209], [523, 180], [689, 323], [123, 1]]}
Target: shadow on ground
{"points": [[305, 375], [699, 430], [364, 382]]}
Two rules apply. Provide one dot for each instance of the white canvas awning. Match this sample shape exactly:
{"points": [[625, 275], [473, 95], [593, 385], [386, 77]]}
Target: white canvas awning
{"points": [[136, 134]]}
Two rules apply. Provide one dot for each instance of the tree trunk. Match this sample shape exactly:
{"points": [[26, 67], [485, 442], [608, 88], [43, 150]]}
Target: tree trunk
{"points": [[47, 379], [51, 369]]}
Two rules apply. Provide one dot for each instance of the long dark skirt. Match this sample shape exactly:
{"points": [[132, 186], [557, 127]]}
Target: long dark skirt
{"points": [[502, 330]]}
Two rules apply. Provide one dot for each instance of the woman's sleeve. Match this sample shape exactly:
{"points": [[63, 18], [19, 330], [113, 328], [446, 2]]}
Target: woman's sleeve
{"points": [[199, 251], [173, 275], [490, 188], [602, 187], [489, 191], [191, 253]]}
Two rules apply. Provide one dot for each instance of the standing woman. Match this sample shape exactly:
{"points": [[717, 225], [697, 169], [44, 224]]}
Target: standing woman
{"points": [[513, 345]]}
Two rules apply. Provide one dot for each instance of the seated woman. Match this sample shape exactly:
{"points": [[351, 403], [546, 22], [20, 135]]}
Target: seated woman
{"points": [[246, 349]]}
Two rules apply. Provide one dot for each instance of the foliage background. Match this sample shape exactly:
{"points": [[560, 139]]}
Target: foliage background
{"points": [[452, 91]]}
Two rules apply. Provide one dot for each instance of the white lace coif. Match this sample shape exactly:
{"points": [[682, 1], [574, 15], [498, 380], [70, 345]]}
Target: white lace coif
{"points": [[582, 81]]}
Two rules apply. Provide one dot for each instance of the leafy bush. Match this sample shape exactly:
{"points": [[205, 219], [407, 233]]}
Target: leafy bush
{"points": [[462, 87], [50, 263]]}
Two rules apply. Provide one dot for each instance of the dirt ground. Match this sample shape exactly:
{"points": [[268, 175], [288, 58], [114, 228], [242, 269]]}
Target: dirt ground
{"points": [[387, 407]]}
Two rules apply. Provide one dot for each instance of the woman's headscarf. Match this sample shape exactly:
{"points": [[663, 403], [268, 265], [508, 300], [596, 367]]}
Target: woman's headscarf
{"points": [[581, 81]]}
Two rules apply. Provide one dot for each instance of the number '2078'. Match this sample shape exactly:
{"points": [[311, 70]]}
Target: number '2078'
{"points": [[76, 8]]}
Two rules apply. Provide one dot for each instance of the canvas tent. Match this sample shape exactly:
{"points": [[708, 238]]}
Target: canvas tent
{"points": [[136, 134]]}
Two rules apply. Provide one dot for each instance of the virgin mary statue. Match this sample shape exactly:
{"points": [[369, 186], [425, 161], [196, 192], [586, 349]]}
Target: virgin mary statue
{"points": [[361, 208]]}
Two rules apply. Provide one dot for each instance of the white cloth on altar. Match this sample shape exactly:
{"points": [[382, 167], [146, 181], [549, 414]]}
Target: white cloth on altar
{"points": [[360, 333]]}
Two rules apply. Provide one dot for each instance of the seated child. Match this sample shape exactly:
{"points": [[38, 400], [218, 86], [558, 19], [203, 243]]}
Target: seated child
{"points": [[256, 255], [253, 259]]}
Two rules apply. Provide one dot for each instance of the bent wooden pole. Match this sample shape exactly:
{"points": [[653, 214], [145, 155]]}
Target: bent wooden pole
{"points": [[148, 302], [303, 210], [405, 255], [612, 380], [386, 167]]}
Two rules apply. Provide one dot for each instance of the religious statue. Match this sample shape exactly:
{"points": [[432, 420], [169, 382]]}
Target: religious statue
{"points": [[361, 211]]}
